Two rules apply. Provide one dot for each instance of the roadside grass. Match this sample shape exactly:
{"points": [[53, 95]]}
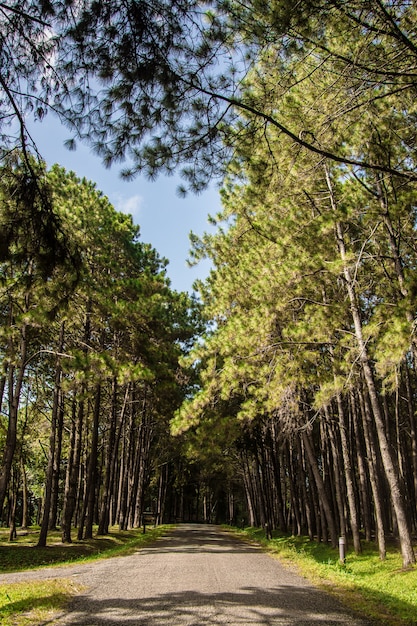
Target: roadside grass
{"points": [[35, 601], [380, 590], [23, 554]]}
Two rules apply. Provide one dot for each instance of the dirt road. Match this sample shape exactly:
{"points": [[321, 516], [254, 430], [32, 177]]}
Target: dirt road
{"points": [[198, 575]]}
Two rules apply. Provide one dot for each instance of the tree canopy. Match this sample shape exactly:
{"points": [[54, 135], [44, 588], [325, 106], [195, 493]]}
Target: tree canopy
{"points": [[312, 293], [162, 84], [88, 365]]}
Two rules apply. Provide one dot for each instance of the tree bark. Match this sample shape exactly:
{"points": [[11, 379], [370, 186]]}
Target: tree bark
{"points": [[348, 476], [52, 446], [87, 515], [364, 487], [308, 446], [15, 383], [25, 507], [387, 460], [70, 496], [104, 515]]}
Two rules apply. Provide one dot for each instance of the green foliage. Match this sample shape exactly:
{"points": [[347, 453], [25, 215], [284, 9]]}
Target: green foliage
{"points": [[160, 83], [120, 323], [276, 294]]}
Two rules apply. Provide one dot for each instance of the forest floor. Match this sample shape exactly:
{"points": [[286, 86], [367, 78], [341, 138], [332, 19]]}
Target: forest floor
{"points": [[195, 574]]}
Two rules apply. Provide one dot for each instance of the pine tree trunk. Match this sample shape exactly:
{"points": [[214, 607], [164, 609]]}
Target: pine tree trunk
{"points": [[71, 485], [53, 517], [373, 472], [348, 476], [3, 380], [52, 446], [110, 463], [312, 495], [250, 502], [387, 460], [292, 485], [337, 474], [308, 497], [277, 463], [162, 492], [143, 472], [15, 383], [413, 439], [124, 482], [365, 495], [25, 507], [12, 506], [308, 446], [91, 478]]}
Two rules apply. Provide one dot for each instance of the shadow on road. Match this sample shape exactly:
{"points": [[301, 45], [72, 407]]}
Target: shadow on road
{"points": [[283, 605], [200, 575], [197, 539]]}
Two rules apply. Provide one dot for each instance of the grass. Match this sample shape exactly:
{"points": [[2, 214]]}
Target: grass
{"points": [[380, 590], [24, 604], [35, 601]]}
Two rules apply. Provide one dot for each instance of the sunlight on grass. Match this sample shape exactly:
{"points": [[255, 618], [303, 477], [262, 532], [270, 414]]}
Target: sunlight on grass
{"points": [[33, 602], [22, 553], [379, 589]]}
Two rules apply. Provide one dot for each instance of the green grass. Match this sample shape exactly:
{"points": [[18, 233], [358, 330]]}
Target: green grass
{"points": [[34, 602], [381, 590], [22, 553], [24, 604]]}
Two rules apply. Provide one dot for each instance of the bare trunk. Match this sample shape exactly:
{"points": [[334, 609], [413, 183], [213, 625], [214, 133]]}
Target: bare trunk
{"points": [[90, 490], [15, 383], [52, 447], [53, 517], [110, 459], [387, 460], [337, 475], [364, 491], [70, 497], [25, 508], [308, 446], [349, 477]]}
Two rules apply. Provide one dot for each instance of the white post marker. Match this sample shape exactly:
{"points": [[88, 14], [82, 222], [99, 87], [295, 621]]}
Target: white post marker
{"points": [[342, 549]]}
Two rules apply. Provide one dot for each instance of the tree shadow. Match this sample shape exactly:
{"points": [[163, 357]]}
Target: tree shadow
{"points": [[283, 605], [199, 539]]}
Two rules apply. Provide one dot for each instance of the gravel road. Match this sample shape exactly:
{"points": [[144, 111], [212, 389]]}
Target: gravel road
{"points": [[197, 575]]}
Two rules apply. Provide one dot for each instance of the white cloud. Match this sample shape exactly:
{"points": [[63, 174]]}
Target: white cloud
{"points": [[131, 205]]}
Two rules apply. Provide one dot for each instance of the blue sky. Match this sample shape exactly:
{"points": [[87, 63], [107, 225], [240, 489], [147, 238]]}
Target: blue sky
{"points": [[165, 219]]}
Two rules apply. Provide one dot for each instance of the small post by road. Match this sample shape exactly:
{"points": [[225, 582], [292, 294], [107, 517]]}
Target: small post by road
{"points": [[268, 533], [342, 550], [148, 517]]}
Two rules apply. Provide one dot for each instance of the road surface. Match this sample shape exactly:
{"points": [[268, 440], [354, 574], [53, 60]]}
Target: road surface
{"points": [[197, 575]]}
